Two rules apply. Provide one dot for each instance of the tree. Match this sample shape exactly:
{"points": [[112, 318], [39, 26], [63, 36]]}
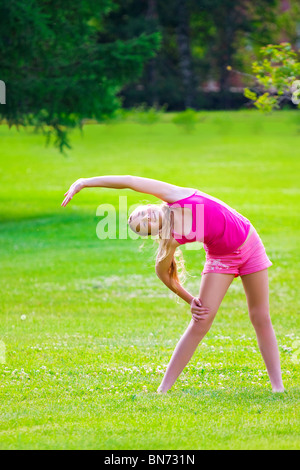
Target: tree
{"points": [[224, 23], [287, 27], [277, 74], [184, 49], [56, 68], [199, 39], [151, 67]]}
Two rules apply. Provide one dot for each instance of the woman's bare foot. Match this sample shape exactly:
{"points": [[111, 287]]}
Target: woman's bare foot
{"points": [[278, 390], [159, 390]]}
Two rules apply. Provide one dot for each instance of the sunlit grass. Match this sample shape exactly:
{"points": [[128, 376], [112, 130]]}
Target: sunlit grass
{"points": [[88, 328]]}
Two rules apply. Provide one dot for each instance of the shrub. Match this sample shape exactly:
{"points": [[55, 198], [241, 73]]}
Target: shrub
{"points": [[144, 115], [186, 119]]}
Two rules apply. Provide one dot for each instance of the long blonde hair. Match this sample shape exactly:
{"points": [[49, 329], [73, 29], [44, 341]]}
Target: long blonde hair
{"points": [[177, 269]]}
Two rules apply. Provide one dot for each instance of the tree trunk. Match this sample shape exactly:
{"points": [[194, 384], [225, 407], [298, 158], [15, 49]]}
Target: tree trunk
{"points": [[185, 60], [151, 68], [226, 49]]}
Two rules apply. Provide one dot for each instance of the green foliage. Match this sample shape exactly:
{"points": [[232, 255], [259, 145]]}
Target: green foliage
{"points": [[276, 73], [187, 120], [57, 70], [266, 103], [213, 44], [250, 94], [146, 115]]}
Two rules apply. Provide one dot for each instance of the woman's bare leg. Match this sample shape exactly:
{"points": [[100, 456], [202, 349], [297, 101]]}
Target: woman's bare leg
{"points": [[256, 287], [212, 291]]}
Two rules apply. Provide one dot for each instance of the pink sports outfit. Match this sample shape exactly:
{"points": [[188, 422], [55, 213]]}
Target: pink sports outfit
{"points": [[222, 230]]}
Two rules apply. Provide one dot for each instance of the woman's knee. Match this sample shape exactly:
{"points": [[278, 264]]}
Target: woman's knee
{"points": [[260, 317], [202, 326]]}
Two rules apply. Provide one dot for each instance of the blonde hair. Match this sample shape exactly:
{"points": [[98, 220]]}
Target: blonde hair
{"points": [[177, 269]]}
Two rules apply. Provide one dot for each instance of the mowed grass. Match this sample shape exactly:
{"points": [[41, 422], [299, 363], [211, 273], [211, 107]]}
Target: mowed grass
{"points": [[88, 328]]}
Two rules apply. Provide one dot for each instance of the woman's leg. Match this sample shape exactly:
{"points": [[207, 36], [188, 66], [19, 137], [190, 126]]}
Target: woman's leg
{"points": [[256, 287], [212, 291]]}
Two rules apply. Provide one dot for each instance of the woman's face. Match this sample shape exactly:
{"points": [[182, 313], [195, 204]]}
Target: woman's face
{"points": [[146, 220]]}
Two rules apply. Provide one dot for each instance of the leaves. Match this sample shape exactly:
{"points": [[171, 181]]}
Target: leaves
{"points": [[186, 119], [57, 70], [275, 73]]}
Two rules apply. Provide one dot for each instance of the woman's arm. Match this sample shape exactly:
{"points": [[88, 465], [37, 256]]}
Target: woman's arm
{"points": [[162, 272], [164, 191]]}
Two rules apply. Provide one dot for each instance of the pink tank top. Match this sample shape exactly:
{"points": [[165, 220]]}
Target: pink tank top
{"points": [[220, 228]]}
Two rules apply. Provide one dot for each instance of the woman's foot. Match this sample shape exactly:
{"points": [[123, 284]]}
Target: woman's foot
{"points": [[159, 390], [278, 389]]}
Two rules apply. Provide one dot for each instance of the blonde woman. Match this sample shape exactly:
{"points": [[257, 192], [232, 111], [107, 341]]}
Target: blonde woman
{"points": [[233, 248]]}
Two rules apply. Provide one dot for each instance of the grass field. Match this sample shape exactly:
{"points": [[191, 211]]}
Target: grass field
{"points": [[87, 326]]}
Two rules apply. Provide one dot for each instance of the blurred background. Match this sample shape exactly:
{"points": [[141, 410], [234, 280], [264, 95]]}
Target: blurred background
{"points": [[199, 40], [65, 63]]}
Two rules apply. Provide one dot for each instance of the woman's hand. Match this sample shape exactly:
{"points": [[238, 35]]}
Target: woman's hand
{"points": [[198, 311], [74, 188]]}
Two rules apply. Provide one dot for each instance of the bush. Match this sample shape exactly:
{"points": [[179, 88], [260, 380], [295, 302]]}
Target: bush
{"points": [[186, 119], [144, 115]]}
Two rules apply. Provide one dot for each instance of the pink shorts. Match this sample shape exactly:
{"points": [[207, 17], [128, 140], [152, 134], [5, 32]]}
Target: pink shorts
{"points": [[251, 257]]}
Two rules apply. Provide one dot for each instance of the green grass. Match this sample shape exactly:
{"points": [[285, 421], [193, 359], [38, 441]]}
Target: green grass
{"points": [[82, 368]]}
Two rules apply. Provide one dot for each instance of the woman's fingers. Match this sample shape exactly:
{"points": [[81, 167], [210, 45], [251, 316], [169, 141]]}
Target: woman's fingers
{"points": [[197, 317], [199, 313], [66, 200], [200, 310]]}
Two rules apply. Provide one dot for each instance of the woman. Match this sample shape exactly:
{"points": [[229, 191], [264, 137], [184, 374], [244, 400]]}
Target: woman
{"points": [[233, 248]]}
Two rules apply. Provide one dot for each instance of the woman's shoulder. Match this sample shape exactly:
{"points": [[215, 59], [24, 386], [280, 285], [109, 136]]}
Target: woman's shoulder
{"points": [[181, 193]]}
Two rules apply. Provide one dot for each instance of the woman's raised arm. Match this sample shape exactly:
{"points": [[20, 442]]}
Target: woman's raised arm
{"points": [[164, 191]]}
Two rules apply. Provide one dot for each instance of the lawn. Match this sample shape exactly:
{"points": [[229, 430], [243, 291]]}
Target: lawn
{"points": [[87, 328]]}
